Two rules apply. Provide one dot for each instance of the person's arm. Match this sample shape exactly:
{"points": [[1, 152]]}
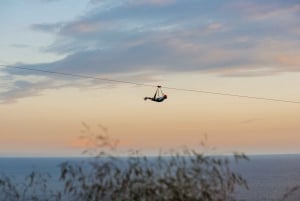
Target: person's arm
{"points": [[154, 97]]}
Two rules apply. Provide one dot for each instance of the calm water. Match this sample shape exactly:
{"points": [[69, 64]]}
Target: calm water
{"points": [[268, 176]]}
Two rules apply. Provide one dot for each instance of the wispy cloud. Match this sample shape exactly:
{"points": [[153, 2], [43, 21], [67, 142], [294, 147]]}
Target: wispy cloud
{"points": [[47, 27], [292, 60], [151, 2], [21, 89], [274, 10], [197, 26], [228, 38], [134, 2]]}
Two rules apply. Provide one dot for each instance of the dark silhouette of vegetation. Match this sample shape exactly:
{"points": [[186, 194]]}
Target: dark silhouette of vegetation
{"points": [[180, 176], [33, 188], [290, 193], [185, 175]]}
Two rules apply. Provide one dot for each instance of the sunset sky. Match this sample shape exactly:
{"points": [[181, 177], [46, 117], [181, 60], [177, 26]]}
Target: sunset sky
{"points": [[249, 48]]}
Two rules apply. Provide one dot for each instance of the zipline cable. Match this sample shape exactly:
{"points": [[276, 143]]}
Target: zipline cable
{"points": [[147, 85], [77, 75]]}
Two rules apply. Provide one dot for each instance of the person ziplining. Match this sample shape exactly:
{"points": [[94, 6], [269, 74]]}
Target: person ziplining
{"points": [[159, 96], [156, 97]]}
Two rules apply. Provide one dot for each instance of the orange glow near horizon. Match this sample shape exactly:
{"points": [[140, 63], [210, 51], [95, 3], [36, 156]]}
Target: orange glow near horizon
{"points": [[51, 123]]}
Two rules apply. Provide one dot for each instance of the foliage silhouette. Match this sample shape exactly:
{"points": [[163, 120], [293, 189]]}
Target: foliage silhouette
{"points": [[184, 175], [33, 188]]}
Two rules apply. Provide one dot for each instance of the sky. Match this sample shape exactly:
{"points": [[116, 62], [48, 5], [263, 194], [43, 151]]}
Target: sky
{"points": [[249, 48]]}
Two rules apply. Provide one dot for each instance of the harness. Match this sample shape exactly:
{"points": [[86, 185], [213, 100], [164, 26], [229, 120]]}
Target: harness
{"points": [[158, 93]]}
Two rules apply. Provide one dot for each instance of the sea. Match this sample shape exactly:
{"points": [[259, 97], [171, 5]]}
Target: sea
{"points": [[269, 177]]}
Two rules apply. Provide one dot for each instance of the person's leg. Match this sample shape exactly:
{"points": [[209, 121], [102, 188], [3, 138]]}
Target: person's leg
{"points": [[146, 98]]}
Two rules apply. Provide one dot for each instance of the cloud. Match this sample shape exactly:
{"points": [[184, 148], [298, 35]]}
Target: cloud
{"points": [[47, 27], [20, 86], [21, 89], [20, 83], [289, 60], [274, 10], [151, 2], [228, 38], [197, 32], [158, 54], [134, 2], [81, 28]]}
